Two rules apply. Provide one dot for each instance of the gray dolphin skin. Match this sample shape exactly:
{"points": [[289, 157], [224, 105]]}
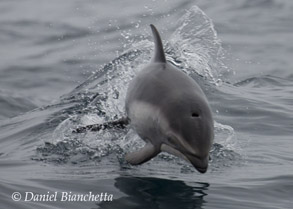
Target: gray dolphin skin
{"points": [[170, 112]]}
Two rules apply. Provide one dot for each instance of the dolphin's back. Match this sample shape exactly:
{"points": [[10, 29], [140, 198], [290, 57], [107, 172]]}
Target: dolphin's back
{"points": [[160, 82]]}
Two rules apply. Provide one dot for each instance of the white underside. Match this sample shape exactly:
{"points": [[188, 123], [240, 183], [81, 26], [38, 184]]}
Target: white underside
{"points": [[148, 121]]}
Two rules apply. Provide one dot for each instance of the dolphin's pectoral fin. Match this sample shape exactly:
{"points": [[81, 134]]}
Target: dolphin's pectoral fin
{"points": [[142, 155], [120, 123]]}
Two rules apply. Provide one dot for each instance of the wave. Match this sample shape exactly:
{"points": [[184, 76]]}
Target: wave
{"points": [[14, 105], [194, 48]]}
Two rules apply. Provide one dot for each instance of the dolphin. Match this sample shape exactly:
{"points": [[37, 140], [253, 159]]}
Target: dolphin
{"points": [[169, 111]]}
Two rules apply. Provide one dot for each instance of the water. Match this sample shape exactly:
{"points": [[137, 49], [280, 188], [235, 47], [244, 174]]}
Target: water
{"points": [[66, 64]]}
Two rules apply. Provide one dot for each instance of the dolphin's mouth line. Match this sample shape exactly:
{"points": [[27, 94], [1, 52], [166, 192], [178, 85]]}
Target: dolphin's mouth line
{"points": [[201, 164], [178, 153], [201, 170], [183, 145], [197, 162], [171, 150]]}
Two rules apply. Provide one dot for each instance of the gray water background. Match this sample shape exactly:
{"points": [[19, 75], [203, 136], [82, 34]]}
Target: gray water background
{"points": [[48, 48]]}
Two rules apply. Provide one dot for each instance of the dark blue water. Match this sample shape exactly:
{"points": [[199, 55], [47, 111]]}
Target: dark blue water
{"points": [[68, 63]]}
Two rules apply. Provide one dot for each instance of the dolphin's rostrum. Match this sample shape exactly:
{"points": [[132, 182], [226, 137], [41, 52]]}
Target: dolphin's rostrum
{"points": [[169, 111]]}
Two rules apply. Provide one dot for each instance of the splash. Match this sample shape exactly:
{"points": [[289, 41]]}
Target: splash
{"points": [[194, 48], [225, 135]]}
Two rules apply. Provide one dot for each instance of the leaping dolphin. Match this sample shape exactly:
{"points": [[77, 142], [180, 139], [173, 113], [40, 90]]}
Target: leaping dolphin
{"points": [[169, 111]]}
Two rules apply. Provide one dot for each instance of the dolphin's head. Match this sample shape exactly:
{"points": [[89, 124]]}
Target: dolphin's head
{"points": [[190, 131]]}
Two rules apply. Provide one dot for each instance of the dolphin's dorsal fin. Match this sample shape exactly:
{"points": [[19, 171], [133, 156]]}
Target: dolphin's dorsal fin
{"points": [[159, 55]]}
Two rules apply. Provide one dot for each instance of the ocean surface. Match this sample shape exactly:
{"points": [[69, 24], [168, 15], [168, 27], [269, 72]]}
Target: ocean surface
{"points": [[68, 63]]}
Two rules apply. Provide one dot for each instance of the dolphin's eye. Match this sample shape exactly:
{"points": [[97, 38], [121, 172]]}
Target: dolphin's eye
{"points": [[195, 115]]}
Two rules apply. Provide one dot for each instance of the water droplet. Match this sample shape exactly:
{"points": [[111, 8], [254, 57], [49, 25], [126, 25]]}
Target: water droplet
{"points": [[219, 82]]}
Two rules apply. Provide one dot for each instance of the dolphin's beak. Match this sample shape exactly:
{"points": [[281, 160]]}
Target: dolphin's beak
{"points": [[200, 164]]}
